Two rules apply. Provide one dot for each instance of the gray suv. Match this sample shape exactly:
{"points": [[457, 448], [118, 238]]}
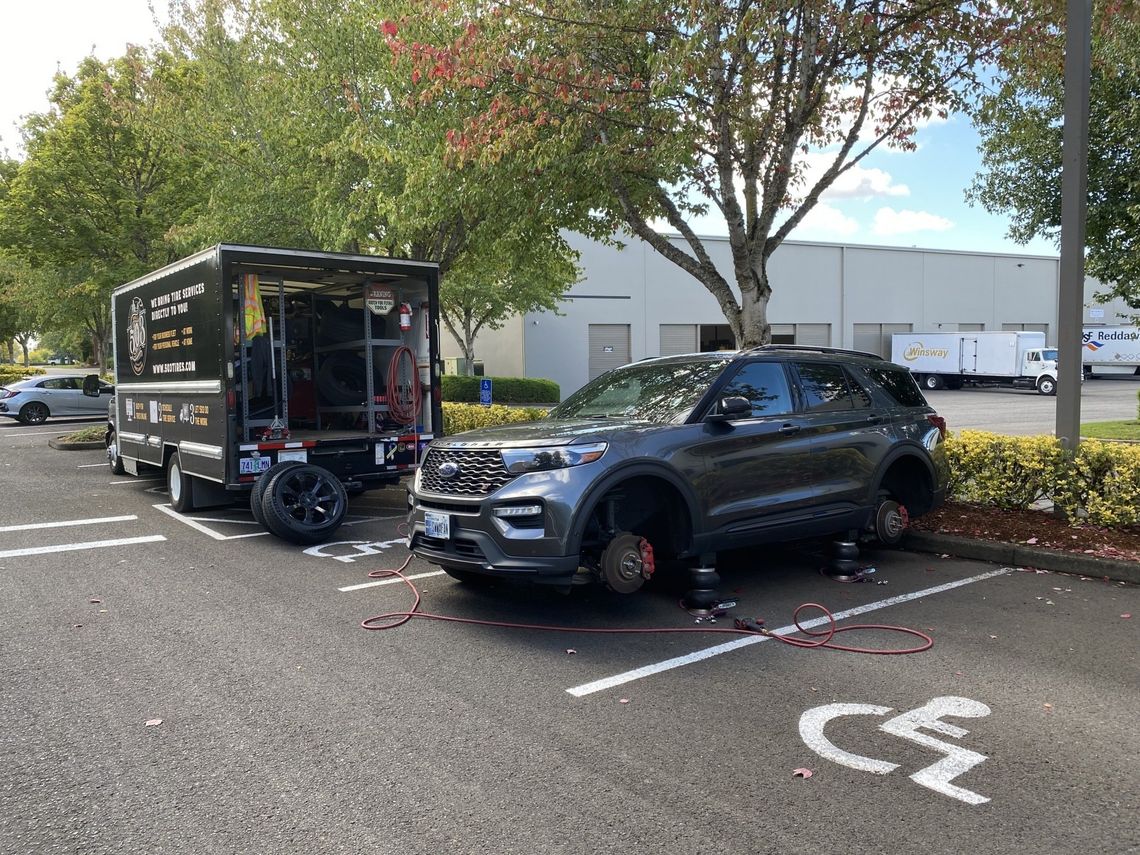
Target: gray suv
{"points": [[681, 457]]}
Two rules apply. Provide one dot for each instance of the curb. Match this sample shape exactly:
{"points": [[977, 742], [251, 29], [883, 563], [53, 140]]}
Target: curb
{"points": [[1024, 556], [58, 444]]}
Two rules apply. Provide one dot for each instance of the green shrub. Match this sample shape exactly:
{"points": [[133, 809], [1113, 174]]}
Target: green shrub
{"points": [[1005, 471], [1100, 483], [458, 418], [12, 373], [504, 390]]}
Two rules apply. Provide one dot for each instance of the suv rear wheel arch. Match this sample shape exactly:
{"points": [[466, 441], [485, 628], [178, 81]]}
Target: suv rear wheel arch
{"points": [[907, 477], [669, 500]]}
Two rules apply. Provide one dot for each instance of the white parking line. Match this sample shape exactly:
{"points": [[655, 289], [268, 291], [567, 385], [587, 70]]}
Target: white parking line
{"points": [[391, 581], [134, 481], [66, 523], [15, 434], [372, 519], [716, 650], [90, 465], [77, 547], [197, 526]]}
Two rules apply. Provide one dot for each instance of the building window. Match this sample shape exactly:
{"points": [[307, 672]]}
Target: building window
{"points": [[717, 337]]}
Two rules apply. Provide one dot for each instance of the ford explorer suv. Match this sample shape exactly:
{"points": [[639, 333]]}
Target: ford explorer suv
{"points": [[681, 457]]}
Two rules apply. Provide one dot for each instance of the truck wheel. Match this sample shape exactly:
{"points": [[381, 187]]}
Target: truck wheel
{"points": [[304, 504], [1046, 386], [34, 413], [257, 494], [932, 382], [113, 458], [179, 485]]}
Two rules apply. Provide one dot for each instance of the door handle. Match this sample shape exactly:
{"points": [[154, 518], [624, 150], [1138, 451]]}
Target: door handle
{"points": [[789, 429]]}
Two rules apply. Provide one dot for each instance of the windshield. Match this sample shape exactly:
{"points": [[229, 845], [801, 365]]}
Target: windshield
{"points": [[1049, 353], [663, 392]]}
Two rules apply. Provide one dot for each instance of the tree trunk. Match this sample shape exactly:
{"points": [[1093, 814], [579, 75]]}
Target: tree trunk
{"points": [[469, 351], [751, 326]]}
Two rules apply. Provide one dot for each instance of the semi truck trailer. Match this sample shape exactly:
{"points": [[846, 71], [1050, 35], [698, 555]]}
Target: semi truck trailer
{"points": [[1110, 350]]}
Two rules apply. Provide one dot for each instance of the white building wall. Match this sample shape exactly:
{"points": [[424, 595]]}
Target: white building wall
{"points": [[500, 351], [812, 283]]}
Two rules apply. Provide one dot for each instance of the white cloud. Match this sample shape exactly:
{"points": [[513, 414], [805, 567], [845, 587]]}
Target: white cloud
{"points": [[824, 222], [858, 182], [889, 222]]}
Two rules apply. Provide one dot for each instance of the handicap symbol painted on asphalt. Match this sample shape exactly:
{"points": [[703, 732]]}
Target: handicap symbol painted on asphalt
{"points": [[349, 550], [957, 760]]}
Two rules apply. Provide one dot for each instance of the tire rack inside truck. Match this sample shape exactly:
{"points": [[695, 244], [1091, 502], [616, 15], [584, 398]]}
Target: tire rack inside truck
{"points": [[239, 359]]}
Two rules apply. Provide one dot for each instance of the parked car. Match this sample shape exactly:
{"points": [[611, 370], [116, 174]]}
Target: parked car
{"points": [[33, 400], [680, 457], [60, 359]]}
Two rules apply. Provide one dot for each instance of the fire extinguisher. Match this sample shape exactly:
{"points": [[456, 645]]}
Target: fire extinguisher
{"points": [[405, 317]]}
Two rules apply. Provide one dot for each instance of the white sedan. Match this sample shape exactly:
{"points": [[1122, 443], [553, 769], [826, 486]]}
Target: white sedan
{"points": [[33, 400]]}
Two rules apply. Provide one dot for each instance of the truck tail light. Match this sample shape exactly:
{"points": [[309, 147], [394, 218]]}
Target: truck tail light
{"points": [[231, 400], [939, 423]]}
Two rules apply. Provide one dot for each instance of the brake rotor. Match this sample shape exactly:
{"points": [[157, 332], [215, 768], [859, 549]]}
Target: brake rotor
{"points": [[623, 565], [891, 521]]}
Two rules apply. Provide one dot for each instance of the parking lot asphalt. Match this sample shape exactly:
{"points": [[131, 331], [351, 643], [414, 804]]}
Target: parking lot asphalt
{"points": [[277, 724]]}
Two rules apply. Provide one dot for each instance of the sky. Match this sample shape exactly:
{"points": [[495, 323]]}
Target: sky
{"points": [[891, 198]]}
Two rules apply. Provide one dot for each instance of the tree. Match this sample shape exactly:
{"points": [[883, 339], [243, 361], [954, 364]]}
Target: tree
{"points": [[1021, 126], [310, 139], [667, 109], [92, 204]]}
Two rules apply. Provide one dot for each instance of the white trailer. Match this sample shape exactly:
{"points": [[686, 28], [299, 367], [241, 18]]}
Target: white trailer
{"points": [[951, 360], [1111, 350]]}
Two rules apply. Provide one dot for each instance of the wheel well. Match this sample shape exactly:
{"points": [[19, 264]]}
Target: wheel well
{"points": [[645, 505], [908, 480], [167, 453]]}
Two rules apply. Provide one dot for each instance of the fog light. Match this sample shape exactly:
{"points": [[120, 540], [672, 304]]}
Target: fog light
{"points": [[517, 511]]}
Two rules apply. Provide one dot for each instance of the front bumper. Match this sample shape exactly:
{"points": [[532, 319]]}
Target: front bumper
{"points": [[482, 543]]}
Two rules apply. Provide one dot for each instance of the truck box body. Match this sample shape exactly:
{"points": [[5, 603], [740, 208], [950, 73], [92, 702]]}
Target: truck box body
{"points": [[1111, 350], [952, 359], [240, 356]]}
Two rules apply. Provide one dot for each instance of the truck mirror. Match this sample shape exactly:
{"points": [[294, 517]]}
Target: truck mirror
{"points": [[91, 385]]}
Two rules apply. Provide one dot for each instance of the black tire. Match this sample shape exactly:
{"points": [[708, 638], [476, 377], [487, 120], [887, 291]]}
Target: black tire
{"points": [[468, 577], [34, 413], [113, 458], [304, 504], [1046, 386], [933, 382], [257, 494], [179, 485], [342, 380]]}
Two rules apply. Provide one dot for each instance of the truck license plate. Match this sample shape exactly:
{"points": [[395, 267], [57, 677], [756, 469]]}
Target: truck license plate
{"points": [[437, 525], [253, 465]]}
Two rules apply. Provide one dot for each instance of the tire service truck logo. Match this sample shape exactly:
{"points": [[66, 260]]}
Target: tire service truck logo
{"points": [[136, 335]]}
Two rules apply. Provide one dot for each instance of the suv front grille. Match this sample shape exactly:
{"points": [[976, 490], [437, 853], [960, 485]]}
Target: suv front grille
{"points": [[480, 472]]}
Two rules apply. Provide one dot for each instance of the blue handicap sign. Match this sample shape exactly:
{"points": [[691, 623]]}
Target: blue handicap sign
{"points": [[485, 391]]}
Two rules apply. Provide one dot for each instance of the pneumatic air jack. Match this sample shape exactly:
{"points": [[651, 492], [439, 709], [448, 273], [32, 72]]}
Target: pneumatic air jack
{"points": [[703, 597], [843, 561]]}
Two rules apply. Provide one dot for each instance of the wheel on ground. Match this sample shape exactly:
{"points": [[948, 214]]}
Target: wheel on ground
{"points": [[1046, 386], [932, 382], [113, 458], [467, 577], [304, 504], [257, 494], [34, 413], [179, 485], [622, 562]]}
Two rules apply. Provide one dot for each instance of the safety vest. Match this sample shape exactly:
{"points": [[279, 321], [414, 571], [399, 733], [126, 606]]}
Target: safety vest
{"points": [[253, 310]]}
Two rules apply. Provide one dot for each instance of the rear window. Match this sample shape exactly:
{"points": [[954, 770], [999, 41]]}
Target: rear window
{"points": [[899, 384]]}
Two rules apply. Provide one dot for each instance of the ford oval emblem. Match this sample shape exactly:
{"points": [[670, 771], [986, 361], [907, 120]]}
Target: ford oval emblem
{"points": [[448, 470]]}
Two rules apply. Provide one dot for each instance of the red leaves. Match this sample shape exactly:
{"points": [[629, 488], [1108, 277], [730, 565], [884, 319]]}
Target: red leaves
{"points": [[389, 28]]}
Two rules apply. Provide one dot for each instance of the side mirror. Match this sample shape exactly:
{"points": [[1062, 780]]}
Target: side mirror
{"points": [[91, 385], [732, 407]]}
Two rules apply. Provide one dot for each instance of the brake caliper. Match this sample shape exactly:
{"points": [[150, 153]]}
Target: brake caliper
{"points": [[647, 563]]}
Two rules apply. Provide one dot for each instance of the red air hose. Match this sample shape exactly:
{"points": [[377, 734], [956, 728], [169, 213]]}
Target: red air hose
{"points": [[391, 620], [404, 399]]}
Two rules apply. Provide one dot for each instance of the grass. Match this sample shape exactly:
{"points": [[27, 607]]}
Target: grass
{"points": [[94, 433], [1129, 429]]}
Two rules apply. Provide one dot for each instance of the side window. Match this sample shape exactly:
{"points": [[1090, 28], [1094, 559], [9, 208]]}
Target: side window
{"points": [[59, 383], [860, 397], [825, 387], [899, 384], [765, 385]]}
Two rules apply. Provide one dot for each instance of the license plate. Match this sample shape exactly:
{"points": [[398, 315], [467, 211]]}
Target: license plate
{"points": [[437, 525], [253, 465]]}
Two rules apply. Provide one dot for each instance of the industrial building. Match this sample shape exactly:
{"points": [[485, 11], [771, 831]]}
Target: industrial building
{"points": [[632, 303]]}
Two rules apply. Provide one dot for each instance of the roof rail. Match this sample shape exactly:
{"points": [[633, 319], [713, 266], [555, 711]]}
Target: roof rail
{"points": [[808, 348]]}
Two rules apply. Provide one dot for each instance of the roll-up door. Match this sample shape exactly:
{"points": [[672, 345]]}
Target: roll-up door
{"points": [[609, 347], [813, 335], [678, 338]]}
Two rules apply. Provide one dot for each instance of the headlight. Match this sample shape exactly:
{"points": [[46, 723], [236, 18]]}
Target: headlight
{"points": [[519, 460]]}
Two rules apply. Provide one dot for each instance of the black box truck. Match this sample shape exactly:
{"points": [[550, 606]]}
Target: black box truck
{"points": [[297, 377]]}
